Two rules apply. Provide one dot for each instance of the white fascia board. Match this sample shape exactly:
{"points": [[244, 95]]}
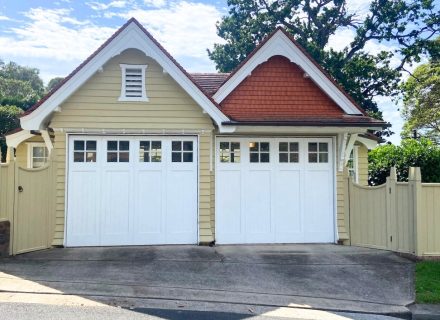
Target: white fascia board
{"points": [[13, 140], [281, 45], [132, 37]]}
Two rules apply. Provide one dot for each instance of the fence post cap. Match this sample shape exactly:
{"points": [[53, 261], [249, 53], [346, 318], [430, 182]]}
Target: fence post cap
{"points": [[393, 173], [414, 174]]}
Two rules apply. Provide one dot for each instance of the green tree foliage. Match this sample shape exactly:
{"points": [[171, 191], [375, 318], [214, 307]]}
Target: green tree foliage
{"points": [[19, 86], [8, 121], [53, 83], [421, 153], [421, 101], [408, 24]]}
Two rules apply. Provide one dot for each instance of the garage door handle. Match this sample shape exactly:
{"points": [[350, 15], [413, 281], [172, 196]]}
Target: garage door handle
{"points": [[20, 189]]}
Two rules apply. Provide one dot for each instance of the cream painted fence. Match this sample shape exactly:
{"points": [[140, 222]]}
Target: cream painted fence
{"points": [[27, 200], [398, 216]]}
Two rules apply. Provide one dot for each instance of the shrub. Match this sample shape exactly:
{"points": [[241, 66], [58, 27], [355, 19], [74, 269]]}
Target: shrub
{"points": [[421, 153]]}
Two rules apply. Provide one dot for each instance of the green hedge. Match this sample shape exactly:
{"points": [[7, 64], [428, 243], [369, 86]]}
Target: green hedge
{"points": [[411, 153]]}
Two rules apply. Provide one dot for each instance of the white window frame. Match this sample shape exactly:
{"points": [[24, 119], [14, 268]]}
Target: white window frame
{"points": [[355, 168], [123, 96], [30, 153]]}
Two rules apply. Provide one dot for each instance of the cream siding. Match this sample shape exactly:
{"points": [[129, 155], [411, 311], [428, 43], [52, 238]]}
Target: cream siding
{"points": [[363, 165], [170, 109]]}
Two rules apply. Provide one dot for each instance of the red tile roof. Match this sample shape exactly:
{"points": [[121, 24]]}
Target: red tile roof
{"points": [[210, 82]]}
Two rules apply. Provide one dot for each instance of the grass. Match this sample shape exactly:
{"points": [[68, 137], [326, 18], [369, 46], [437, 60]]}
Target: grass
{"points": [[428, 282]]}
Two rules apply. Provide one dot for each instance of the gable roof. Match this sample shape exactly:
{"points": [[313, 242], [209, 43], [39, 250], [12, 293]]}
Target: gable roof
{"points": [[280, 42], [132, 35]]}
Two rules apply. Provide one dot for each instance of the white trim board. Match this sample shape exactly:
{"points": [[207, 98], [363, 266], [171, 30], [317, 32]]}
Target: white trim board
{"points": [[280, 44], [131, 37]]}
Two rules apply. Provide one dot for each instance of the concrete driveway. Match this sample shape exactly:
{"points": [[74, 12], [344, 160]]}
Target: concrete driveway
{"points": [[242, 279]]}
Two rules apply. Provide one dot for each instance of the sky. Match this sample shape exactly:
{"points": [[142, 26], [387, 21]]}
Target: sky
{"points": [[56, 36]]}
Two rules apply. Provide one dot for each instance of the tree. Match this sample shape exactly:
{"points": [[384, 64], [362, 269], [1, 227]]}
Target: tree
{"points": [[19, 86], [8, 121], [421, 153], [408, 24], [53, 83], [421, 99]]}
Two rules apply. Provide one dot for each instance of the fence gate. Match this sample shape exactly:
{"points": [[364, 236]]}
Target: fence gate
{"points": [[382, 217], [32, 207]]}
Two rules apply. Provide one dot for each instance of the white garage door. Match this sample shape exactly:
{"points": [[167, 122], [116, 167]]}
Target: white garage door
{"points": [[274, 190], [131, 190]]}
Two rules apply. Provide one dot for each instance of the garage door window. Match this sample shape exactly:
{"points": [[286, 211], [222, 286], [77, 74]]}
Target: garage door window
{"points": [[259, 152], [150, 151], [318, 152], [118, 151], [230, 152], [288, 152], [84, 151], [182, 151]]}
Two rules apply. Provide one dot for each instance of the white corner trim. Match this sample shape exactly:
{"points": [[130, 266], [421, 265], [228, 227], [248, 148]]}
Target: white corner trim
{"points": [[280, 44], [13, 140], [132, 37]]}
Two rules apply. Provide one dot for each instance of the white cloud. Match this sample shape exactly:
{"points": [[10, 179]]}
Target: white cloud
{"points": [[98, 6], [185, 29], [53, 33], [4, 18], [155, 3]]}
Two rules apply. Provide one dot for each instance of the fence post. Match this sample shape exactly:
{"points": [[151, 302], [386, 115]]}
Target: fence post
{"points": [[346, 198], [415, 190], [391, 214]]}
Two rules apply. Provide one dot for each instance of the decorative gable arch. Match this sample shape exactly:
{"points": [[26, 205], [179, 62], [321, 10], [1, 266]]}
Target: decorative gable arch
{"points": [[130, 36]]}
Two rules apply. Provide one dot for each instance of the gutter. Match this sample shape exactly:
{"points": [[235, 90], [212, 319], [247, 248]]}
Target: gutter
{"points": [[383, 125]]}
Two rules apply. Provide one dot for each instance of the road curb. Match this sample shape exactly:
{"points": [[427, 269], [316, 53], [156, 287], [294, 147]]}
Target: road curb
{"points": [[425, 311]]}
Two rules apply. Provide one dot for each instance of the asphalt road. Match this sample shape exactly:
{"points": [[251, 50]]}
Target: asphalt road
{"points": [[24, 311]]}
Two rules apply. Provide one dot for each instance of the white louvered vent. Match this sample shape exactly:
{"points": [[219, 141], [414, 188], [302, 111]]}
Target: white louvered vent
{"points": [[133, 83]]}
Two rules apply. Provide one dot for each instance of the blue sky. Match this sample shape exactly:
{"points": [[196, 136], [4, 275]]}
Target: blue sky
{"points": [[55, 36]]}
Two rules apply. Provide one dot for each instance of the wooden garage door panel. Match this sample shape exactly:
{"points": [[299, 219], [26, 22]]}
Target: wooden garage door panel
{"points": [[131, 203], [286, 199]]}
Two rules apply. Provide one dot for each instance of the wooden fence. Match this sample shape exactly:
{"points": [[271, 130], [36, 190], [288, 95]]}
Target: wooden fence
{"points": [[398, 216], [27, 200]]}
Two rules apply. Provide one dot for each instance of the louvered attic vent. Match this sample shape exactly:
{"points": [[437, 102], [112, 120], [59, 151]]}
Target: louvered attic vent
{"points": [[133, 83]]}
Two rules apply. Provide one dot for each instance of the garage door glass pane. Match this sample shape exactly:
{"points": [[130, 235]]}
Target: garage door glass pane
{"points": [[78, 145], [259, 152], [182, 151], [288, 152], [112, 145], [117, 151], [318, 152], [230, 152], [84, 151], [112, 157], [91, 145], [78, 157]]}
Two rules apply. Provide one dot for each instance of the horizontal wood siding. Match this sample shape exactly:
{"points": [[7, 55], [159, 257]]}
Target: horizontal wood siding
{"points": [[363, 165], [95, 106]]}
